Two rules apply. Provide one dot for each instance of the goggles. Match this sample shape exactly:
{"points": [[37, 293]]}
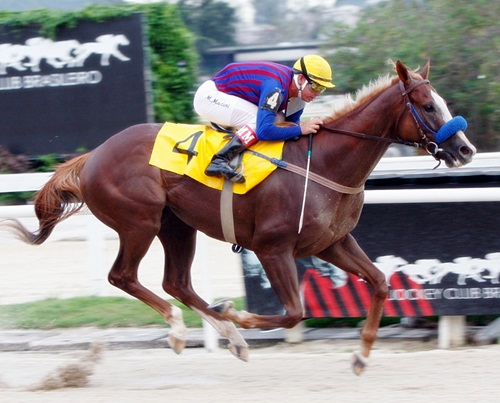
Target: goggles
{"points": [[315, 87]]}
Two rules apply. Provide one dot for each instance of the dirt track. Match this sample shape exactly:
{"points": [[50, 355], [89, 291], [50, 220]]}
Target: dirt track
{"points": [[309, 372]]}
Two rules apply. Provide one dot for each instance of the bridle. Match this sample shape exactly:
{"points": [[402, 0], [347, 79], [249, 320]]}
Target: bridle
{"points": [[431, 147]]}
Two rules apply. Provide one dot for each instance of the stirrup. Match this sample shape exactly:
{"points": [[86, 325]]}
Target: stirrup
{"points": [[233, 175], [221, 168], [236, 178]]}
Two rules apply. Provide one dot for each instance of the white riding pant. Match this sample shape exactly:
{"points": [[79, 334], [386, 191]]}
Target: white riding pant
{"points": [[224, 109]]}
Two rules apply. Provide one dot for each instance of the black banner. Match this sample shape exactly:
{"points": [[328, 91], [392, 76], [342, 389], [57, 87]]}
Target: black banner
{"points": [[59, 95], [438, 258]]}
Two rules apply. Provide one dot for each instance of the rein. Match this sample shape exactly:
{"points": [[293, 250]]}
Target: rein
{"points": [[374, 138]]}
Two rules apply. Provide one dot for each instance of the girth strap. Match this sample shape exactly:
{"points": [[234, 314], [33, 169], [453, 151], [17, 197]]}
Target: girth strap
{"points": [[226, 212]]}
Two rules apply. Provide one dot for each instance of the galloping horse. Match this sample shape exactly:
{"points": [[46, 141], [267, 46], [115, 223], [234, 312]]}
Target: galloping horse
{"points": [[141, 202]]}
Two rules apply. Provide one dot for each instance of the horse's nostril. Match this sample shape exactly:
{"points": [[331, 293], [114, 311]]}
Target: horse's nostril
{"points": [[465, 151]]}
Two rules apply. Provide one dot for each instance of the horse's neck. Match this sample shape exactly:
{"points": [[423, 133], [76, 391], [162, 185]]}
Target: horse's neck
{"points": [[355, 158]]}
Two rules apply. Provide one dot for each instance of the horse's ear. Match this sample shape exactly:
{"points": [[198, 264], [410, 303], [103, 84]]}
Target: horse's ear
{"points": [[424, 72], [403, 74]]}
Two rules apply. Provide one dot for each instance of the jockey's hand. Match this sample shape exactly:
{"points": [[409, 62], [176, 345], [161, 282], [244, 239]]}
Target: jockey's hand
{"points": [[311, 126]]}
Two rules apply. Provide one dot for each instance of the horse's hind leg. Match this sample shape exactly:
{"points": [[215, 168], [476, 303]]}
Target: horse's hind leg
{"points": [[179, 241], [134, 243]]}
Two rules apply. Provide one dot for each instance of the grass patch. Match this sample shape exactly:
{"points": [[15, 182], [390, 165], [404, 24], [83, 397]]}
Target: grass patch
{"points": [[125, 312], [90, 311]]}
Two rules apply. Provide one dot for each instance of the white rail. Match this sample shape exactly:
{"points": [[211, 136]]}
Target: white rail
{"points": [[23, 182]]}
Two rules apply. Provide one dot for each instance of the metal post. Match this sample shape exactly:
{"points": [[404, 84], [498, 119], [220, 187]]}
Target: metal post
{"points": [[451, 331], [95, 241]]}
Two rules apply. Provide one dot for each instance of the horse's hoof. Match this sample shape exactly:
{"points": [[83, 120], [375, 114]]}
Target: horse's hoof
{"points": [[221, 306], [239, 351], [177, 344], [359, 363]]}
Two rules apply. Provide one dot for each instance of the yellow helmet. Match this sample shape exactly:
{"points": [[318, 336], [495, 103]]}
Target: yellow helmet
{"points": [[316, 69]]}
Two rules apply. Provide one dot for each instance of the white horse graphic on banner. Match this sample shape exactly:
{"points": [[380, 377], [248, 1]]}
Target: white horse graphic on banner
{"points": [[105, 45], [59, 54]]}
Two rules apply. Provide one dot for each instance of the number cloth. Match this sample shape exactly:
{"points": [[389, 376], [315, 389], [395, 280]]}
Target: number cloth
{"points": [[187, 150]]}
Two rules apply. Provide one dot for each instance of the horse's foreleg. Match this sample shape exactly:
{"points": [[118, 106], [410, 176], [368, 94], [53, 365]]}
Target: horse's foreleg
{"points": [[123, 275], [179, 241], [348, 256]]}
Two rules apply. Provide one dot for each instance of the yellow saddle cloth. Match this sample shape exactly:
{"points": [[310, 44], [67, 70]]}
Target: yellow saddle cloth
{"points": [[188, 149]]}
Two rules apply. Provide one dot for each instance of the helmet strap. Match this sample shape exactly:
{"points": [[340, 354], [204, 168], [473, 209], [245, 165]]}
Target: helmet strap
{"points": [[299, 87]]}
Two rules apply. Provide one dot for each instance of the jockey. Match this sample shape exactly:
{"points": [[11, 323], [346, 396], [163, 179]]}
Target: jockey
{"points": [[249, 96]]}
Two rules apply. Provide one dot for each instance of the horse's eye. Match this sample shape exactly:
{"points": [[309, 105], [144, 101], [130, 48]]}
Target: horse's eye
{"points": [[429, 108]]}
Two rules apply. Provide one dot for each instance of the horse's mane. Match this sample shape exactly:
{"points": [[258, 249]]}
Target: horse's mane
{"points": [[364, 94]]}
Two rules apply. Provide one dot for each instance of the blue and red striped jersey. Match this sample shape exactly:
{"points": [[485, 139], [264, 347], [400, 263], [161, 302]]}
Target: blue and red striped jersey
{"points": [[247, 80], [266, 85]]}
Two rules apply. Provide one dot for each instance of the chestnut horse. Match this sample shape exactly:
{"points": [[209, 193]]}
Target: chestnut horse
{"points": [[141, 202]]}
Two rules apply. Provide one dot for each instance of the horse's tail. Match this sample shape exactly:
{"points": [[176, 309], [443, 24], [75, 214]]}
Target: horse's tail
{"points": [[59, 199]]}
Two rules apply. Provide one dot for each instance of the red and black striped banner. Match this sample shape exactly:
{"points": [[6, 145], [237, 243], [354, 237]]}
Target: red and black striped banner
{"points": [[321, 298]]}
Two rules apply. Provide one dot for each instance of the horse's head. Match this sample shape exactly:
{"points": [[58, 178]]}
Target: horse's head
{"points": [[427, 119]]}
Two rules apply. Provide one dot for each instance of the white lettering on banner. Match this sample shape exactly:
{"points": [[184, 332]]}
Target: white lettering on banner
{"points": [[433, 293], [51, 80], [402, 294], [412, 294], [462, 293], [491, 292]]}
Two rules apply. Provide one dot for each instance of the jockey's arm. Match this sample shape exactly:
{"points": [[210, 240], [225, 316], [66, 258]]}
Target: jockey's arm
{"points": [[267, 130], [270, 104]]}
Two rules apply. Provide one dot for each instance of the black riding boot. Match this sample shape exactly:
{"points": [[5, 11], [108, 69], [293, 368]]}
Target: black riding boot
{"points": [[219, 166]]}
